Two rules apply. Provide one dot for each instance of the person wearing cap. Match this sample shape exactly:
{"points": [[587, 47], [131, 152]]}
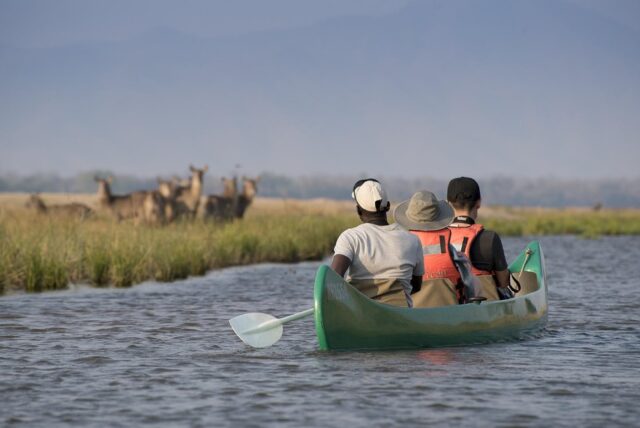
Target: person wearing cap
{"points": [[483, 247], [384, 261], [427, 218]]}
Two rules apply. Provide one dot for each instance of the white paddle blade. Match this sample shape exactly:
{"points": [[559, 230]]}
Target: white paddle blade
{"points": [[243, 325]]}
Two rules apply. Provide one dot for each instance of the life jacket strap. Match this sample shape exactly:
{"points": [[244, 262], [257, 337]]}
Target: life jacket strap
{"points": [[465, 241]]}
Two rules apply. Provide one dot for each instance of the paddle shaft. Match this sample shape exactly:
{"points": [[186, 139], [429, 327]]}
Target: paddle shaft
{"points": [[526, 259], [278, 321]]}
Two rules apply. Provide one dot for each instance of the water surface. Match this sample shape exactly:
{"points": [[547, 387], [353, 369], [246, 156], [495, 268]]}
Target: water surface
{"points": [[163, 354]]}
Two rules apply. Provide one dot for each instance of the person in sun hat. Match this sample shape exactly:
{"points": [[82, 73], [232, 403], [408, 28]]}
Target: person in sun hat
{"points": [[383, 260], [483, 247], [427, 218]]}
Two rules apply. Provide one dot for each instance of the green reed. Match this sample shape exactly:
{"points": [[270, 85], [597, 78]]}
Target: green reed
{"points": [[588, 224], [40, 253]]}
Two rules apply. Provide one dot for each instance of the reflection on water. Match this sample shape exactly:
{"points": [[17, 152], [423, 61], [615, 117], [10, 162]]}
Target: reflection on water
{"points": [[164, 354], [437, 357]]}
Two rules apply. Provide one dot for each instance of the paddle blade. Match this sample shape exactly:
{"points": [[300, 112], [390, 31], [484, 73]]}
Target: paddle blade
{"points": [[243, 325]]}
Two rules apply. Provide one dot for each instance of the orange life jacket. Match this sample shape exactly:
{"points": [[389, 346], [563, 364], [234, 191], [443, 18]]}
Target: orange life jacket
{"points": [[462, 238], [438, 262]]}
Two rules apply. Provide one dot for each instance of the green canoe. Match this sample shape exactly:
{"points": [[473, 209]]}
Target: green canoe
{"points": [[346, 319]]}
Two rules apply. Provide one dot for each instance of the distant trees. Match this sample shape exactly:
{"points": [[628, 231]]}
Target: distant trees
{"points": [[547, 192]]}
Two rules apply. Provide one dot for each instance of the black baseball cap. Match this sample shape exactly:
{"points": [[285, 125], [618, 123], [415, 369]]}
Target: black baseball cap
{"points": [[463, 189]]}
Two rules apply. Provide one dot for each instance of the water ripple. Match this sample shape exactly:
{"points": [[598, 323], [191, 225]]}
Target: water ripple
{"points": [[163, 354]]}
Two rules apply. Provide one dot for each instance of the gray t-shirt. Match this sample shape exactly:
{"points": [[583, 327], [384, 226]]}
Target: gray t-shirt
{"points": [[382, 252]]}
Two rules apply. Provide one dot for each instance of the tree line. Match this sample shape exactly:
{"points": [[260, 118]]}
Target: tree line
{"points": [[544, 192]]}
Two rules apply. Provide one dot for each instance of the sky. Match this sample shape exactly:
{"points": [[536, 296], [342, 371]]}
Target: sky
{"points": [[39, 23], [547, 88]]}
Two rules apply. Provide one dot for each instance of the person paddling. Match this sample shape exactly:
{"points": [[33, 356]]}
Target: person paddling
{"points": [[482, 246], [384, 261]]}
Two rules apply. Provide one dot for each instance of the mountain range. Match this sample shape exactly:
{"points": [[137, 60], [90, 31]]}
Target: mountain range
{"points": [[529, 89]]}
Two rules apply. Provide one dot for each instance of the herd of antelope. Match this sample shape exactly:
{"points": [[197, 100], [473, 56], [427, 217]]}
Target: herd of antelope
{"points": [[173, 200]]}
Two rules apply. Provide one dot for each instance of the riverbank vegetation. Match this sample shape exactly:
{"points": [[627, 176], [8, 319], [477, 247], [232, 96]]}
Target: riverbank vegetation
{"points": [[574, 221], [40, 252]]}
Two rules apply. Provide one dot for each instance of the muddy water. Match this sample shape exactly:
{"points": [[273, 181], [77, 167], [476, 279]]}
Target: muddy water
{"points": [[163, 354]]}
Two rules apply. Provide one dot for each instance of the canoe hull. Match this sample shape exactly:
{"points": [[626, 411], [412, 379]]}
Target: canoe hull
{"points": [[346, 319]]}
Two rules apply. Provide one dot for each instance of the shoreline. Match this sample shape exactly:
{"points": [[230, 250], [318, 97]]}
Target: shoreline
{"points": [[41, 253]]}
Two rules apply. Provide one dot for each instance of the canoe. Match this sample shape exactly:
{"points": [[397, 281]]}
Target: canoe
{"points": [[346, 319]]}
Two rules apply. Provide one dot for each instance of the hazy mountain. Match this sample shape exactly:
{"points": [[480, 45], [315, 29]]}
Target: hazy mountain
{"points": [[528, 88]]}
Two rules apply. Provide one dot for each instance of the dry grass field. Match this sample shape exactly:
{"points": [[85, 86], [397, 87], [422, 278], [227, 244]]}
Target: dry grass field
{"points": [[273, 206], [260, 206]]}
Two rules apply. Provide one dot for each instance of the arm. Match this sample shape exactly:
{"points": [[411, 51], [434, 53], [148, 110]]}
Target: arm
{"points": [[501, 270], [343, 253], [416, 283], [502, 278], [340, 264], [499, 262], [418, 270]]}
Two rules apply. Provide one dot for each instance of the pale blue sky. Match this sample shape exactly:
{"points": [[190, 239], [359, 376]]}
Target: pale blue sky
{"points": [[59, 22], [52, 23], [532, 88]]}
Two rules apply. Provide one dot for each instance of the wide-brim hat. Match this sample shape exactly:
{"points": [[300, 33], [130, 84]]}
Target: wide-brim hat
{"points": [[423, 211]]}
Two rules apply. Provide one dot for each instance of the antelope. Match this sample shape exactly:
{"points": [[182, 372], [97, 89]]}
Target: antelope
{"points": [[221, 207], [188, 197], [181, 182], [141, 205], [249, 191], [73, 209], [230, 187], [168, 191]]}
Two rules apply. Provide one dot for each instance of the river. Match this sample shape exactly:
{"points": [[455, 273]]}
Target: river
{"points": [[164, 355]]}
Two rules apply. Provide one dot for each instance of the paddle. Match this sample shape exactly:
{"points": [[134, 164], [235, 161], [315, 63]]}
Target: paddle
{"points": [[262, 330], [468, 278]]}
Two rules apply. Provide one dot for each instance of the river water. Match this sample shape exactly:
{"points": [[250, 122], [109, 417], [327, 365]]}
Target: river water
{"points": [[164, 355]]}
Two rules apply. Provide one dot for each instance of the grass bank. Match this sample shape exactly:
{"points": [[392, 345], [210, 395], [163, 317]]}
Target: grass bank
{"points": [[38, 253], [574, 221]]}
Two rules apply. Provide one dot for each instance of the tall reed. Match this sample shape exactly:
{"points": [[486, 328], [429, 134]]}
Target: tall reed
{"points": [[588, 224], [39, 253]]}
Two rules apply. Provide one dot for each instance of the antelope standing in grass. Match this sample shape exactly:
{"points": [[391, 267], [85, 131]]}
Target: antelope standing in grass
{"points": [[249, 191], [74, 209], [168, 190], [188, 197], [145, 206], [230, 187], [222, 207], [181, 182]]}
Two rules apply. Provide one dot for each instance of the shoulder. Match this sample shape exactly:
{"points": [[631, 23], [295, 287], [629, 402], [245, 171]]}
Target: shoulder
{"points": [[488, 236], [357, 230], [489, 243], [404, 234], [397, 229], [354, 233]]}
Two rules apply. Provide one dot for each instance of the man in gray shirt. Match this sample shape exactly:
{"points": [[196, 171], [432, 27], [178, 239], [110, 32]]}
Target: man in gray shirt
{"points": [[385, 262]]}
